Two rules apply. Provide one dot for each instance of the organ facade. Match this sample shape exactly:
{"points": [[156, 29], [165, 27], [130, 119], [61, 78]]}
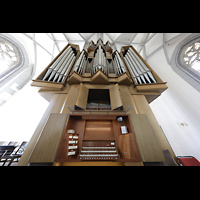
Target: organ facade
{"points": [[98, 111]]}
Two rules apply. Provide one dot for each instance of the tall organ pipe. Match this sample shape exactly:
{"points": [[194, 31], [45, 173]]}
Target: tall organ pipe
{"points": [[99, 61], [50, 69], [134, 72], [139, 67], [63, 66], [66, 72], [76, 67], [146, 69], [121, 63], [66, 68], [66, 57], [136, 67]]}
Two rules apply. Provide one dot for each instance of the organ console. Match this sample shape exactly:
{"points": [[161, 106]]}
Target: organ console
{"points": [[98, 109], [96, 139]]}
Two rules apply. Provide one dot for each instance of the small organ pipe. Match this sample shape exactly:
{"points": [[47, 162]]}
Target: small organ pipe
{"points": [[116, 70], [82, 65], [118, 66], [100, 55], [88, 68], [78, 62], [121, 63]]}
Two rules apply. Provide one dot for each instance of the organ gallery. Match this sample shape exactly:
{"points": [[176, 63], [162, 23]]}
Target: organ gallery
{"points": [[98, 111]]}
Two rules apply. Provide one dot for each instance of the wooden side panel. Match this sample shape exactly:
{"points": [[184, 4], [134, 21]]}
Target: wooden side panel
{"points": [[47, 145], [124, 146], [149, 147], [115, 98], [81, 101]]}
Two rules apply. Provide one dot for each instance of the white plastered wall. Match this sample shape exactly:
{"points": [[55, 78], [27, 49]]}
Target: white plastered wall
{"points": [[177, 109]]}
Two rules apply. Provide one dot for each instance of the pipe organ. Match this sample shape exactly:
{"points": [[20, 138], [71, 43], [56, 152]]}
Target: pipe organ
{"points": [[99, 57], [99, 110]]}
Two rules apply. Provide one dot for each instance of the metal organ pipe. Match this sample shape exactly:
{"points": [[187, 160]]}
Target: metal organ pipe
{"points": [[51, 68], [62, 66], [119, 64], [76, 67], [136, 67], [58, 71], [133, 71], [139, 60], [99, 61], [110, 66], [123, 69], [115, 66], [88, 68], [139, 70], [99, 57], [54, 70], [139, 67], [82, 65], [143, 66], [66, 72]]}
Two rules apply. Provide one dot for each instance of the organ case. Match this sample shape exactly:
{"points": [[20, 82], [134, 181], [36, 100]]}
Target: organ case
{"points": [[99, 136]]}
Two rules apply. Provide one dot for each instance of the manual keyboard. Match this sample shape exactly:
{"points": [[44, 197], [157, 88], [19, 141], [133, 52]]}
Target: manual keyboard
{"points": [[98, 153]]}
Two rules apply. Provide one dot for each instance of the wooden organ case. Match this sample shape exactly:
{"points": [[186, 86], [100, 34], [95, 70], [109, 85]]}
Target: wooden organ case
{"points": [[99, 110]]}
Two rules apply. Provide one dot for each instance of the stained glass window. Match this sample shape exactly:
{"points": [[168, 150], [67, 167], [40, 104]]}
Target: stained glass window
{"points": [[8, 56], [192, 56]]}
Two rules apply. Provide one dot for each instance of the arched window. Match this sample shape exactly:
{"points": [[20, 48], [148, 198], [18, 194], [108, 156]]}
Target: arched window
{"points": [[186, 60], [192, 56], [15, 67], [10, 58]]}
